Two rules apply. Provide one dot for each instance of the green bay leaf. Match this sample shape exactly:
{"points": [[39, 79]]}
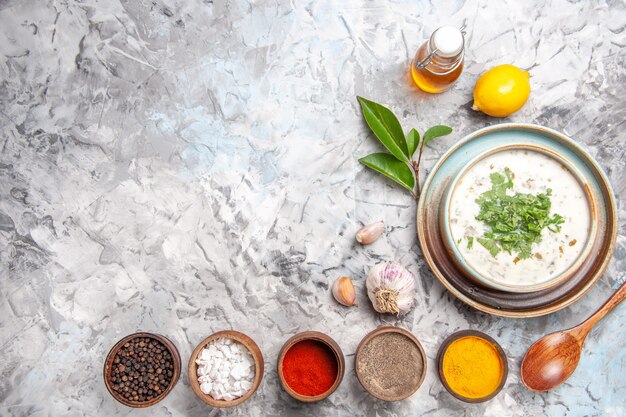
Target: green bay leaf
{"points": [[435, 132], [412, 141], [386, 127], [391, 167]]}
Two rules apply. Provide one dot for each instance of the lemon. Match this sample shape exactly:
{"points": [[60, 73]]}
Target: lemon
{"points": [[501, 91]]}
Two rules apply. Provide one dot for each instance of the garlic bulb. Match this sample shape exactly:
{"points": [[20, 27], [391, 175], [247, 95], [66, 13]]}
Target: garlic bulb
{"points": [[391, 288], [343, 291], [370, 233]]}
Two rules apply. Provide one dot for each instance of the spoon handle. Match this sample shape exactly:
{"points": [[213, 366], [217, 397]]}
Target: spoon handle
{"points": [[617, 297]]}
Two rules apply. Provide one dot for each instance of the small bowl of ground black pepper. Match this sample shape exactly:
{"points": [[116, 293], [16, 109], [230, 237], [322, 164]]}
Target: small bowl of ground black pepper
{"points": [[310, 366], [141, 369], [390, 363]]}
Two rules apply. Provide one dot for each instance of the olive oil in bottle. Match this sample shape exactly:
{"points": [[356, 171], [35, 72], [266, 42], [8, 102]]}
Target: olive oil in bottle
{"points": [[439, 61]]}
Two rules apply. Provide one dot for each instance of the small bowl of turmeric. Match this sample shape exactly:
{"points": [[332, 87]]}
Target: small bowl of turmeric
{"points": [[472, 366]]}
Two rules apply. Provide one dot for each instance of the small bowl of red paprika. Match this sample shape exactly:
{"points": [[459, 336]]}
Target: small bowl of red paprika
{"points": [[310, 366]]}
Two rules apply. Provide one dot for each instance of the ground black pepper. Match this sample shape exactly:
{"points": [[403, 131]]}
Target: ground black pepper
{"points": [[142, 370], [390, 365]]}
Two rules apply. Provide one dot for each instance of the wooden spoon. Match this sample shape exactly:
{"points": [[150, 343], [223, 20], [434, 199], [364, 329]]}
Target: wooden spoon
{"points": [[554, 357]]}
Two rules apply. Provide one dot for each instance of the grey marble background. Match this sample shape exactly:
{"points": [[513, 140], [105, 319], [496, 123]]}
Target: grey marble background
{"points": [[190, 166]]}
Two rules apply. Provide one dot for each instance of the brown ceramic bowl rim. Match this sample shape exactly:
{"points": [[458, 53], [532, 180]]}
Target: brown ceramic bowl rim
{"points": [[252, 347], [391, 329], [318, 337], [111, 356], [459, 335]]}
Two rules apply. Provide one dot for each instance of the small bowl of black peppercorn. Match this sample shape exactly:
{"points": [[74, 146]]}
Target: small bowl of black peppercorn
{"points": [[141, 369]]}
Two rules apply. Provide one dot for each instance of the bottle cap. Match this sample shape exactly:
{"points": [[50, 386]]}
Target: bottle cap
{"points": [[448, 41]]}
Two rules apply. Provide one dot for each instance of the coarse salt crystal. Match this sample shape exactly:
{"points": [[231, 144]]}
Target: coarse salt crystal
{"points": [[237, 371], [225, 369], [206, 387]]}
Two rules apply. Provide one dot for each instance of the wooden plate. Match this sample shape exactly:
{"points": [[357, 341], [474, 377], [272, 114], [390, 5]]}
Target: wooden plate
{"points": [[258, 361], [499, 302]]}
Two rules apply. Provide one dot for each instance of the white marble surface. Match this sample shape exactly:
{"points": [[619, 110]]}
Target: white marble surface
{"points": [[190, 166]]}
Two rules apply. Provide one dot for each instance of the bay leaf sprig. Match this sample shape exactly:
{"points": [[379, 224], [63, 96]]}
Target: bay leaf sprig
{"points": [[399, 165]]}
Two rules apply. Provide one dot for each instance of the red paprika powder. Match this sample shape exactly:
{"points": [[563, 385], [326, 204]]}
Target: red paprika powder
{"points": [[310, 368]]}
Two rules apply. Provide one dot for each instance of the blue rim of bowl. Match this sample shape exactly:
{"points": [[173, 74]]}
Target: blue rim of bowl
{"points": [[496, 309], [484, 280]]}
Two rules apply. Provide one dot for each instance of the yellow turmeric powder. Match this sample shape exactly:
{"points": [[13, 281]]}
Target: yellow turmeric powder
{"points": [[472, 367]]}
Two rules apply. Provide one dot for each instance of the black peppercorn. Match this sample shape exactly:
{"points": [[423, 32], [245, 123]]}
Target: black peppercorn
{"points": [[141, 370]]}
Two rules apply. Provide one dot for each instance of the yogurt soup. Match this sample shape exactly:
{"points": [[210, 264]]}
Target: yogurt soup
{"points": [[533, 173]]}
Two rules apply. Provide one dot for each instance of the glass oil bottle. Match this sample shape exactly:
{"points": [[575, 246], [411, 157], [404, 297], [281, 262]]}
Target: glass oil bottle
{"points": [[438, 62]]}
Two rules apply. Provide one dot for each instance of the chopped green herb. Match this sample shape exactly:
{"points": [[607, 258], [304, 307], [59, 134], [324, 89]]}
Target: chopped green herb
{"points": [[515, 221], [490, 245], [470, 242], [458, 242]]}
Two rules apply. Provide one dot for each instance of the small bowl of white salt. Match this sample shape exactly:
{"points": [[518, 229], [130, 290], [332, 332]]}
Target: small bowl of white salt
{"points": [[225, 369]]}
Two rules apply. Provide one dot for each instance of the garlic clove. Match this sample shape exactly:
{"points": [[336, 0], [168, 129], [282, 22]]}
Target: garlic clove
{"points": [[343, 291], [370, 233]]}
